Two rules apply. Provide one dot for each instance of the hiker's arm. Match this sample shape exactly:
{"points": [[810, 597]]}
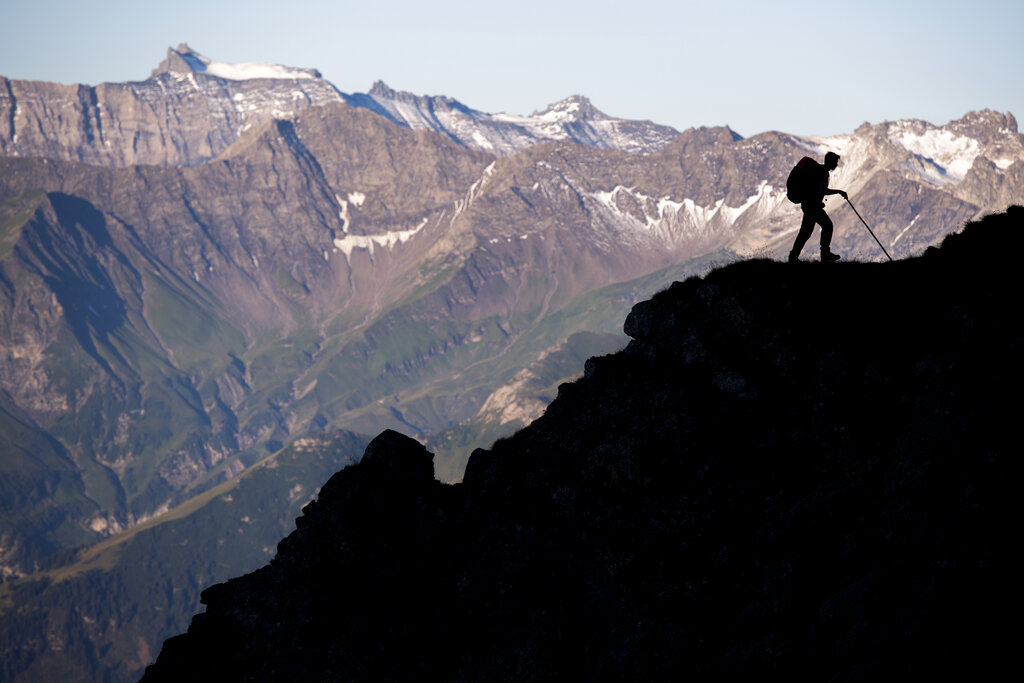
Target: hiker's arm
{"points": [[839, 192]]}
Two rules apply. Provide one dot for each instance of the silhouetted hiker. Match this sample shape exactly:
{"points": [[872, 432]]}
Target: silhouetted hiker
{"points": [[807, 186]]}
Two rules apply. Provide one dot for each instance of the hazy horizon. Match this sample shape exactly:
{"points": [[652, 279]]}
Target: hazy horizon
{"points": [[801, 67]]}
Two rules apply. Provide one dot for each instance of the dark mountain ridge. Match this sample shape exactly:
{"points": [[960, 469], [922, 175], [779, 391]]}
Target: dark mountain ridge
{"points": [[787, 471]]}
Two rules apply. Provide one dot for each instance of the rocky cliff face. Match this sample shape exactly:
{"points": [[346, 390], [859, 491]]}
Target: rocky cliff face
{"points": [[784, 473], [180, 116]]}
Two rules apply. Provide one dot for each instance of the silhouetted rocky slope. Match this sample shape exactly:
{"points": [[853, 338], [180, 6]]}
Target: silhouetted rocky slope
{"points": [[801, 469]]}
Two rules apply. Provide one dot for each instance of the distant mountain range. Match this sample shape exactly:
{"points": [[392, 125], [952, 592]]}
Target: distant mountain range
{"points": [[191, 109], [200, 268]]}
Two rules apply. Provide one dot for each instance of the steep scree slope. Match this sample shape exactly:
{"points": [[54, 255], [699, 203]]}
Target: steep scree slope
{"points": [[802, 469]]}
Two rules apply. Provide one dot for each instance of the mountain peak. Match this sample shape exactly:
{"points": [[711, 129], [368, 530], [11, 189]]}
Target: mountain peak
{"points": [[382, 89], [184, 60], [985, 124], [574, 107], [178, 61], [381, 93]]}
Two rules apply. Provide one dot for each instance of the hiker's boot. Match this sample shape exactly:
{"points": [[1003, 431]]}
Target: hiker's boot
{"points": [[793, 257], [829, 257]]}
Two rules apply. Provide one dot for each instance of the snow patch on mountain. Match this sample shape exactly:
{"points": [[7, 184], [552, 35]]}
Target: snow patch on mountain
{"points": [[343, 214], [903, 232], [669, 221], [243, 71], [953, 154], [940, 156], [473, 192], [348, 243]]}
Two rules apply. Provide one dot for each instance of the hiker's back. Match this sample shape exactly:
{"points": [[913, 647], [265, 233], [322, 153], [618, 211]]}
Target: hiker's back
{"points": [[804, 181]]}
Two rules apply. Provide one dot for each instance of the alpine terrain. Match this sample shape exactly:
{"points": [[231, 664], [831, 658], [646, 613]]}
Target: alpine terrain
{"points": [[219, 283], [744, 489]]}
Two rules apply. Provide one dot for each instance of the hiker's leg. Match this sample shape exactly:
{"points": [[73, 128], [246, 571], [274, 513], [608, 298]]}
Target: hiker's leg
{"points": [[806, 228], [826, 231]]}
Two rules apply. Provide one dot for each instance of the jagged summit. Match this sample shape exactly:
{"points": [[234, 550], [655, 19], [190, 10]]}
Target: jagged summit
{"points": [[576, 107], [986, 125], [178, 60], [185, 60], [573, 118], [381, 89], [783, 474], [384, 99], [980, 155]]}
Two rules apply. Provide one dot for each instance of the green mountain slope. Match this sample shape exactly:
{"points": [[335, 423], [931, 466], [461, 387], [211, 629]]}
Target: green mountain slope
{"points": [[103, 615]]}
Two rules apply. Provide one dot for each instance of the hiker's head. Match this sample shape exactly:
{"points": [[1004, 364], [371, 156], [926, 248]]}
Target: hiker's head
{"points": [[831, 160]]}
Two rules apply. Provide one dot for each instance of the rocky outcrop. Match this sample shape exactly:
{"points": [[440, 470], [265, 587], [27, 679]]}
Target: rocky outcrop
{"points": [[786, 472], [180, 116]]}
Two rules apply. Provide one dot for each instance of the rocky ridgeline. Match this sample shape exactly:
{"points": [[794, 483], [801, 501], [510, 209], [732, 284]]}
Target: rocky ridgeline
{"points": [[191, 109], [179, 116], [787, 471]]}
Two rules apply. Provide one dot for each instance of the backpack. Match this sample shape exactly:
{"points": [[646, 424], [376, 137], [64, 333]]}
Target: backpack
{"points": [[798, 184]]}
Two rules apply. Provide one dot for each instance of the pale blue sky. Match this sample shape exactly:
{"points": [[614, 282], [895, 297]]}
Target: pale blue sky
{"points": [[813, 68]]}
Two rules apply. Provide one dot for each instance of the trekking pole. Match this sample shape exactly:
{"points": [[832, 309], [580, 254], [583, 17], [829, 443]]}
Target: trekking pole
{"points": [[867, 226]]}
